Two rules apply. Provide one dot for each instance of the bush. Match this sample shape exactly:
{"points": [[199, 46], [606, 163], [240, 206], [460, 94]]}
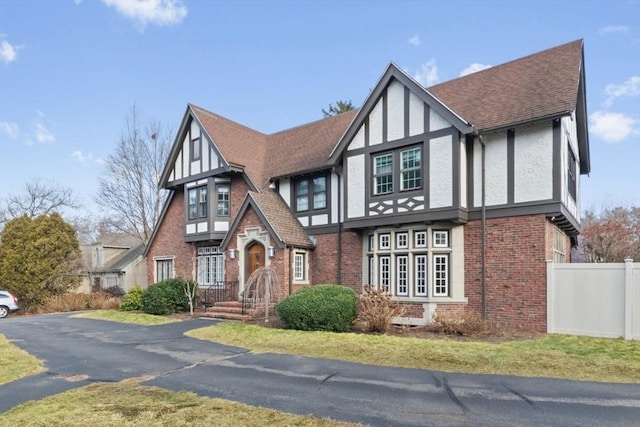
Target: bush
{"points": [[377, 309], [70, 301], [114, 291], [103, 301], [319, 308], [132, 301], [466, 324], [166, 297]]}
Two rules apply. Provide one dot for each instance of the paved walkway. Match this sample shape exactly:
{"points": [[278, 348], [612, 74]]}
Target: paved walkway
{"points": [[79, 351]]}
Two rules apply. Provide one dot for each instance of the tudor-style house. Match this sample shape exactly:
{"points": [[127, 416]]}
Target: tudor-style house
{"points": [[450, 198]]}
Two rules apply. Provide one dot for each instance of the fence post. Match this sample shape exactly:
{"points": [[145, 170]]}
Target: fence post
{"points": [[550, 296], [628, 300]]}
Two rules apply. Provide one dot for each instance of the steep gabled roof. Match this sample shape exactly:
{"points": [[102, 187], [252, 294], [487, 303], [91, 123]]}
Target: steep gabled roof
{"points": [[306, 147], [274, 213], [240, 147], [541, 85]]}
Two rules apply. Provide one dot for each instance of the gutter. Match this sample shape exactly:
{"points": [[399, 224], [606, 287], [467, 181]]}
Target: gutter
{"points": [[483, 280]]}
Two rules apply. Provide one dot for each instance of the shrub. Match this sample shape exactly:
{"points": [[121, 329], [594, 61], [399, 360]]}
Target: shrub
{"points": [[103, 301], [466, 324], [166, 297], [114, 291], [132, 301], [377, 309], [319, 308], [70, 301]]}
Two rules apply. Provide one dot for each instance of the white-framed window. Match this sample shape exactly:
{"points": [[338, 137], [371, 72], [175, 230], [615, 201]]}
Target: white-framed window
{"points": [[559, 246], [384, 278], [210, 266], [383, 174], [402, 275], [441, 275], [411, 169], [224, 199], [384, 242], [417, 265], [402, 240], [164, 269], [420, 275], [440, 238], [299, 266]]}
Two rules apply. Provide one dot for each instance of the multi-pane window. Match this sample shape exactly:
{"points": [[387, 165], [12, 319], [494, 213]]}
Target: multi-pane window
{"points": [[223, 200], [210, 266], [311, 194], [198, 206], [410, 169], [384, 280], [299, 266], [164, 269], [383, 174], [572, 171], [414, 263], [559, 245], [441, 275]]}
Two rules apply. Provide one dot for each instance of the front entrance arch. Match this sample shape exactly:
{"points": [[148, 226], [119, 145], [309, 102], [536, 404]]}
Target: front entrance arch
{"points": [[255, 256]]}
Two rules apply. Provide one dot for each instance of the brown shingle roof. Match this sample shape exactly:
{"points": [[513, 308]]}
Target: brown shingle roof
{"points": [[238, 144], [544, 84], [306, 147], [278, 215]]}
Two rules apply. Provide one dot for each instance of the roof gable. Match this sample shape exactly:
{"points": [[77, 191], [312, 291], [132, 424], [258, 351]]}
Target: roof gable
{"points": [[274, 213], [374, 103]]}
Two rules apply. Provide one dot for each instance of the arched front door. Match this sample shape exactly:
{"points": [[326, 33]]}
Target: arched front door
{"points": [[255, 259]]}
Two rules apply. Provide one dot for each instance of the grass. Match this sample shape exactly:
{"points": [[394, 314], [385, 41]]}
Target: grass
{"points": [[126, 317], [553, 356], [127, 404], [16, 363]]}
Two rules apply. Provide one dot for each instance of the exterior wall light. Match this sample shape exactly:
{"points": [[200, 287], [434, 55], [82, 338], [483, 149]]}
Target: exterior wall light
{"points": [[272, 251], [232, 253]]}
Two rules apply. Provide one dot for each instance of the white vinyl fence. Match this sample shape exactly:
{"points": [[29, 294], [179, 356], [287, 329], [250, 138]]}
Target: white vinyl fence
{"points": [[599, 300]]}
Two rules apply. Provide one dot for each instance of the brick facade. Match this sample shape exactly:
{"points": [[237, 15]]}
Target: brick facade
{"points": [[516, 252], [169, 242], [324, 260]]}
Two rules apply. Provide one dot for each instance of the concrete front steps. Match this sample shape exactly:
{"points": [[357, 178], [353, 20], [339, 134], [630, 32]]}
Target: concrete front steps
{"points": [[232, 310]]}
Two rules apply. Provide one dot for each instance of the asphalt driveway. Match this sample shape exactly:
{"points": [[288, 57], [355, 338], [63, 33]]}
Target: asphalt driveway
{"points": [[79, 351]]}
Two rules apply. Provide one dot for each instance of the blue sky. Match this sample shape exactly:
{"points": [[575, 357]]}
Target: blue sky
{"points": [[70, 70]]}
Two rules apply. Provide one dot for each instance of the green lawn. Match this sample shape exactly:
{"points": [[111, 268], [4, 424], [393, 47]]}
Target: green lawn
{"points": [[16, 363], [126, 317]]}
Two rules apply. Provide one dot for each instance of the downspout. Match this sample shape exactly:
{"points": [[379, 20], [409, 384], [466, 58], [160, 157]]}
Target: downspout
{"points": [[484, 232], [339, 251]]}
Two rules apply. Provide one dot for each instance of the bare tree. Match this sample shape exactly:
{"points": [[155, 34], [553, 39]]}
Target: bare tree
{"points": [[37, 199], [129, 191], [612, 235]]}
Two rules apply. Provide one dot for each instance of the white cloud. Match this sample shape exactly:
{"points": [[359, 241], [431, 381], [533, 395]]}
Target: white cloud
{"points": [[612, 127], [631, 87], [42, 134], [156, 12], [10, 129], [8, 52], [428, 74], [474, 68], [415, 40], [613, 29]]}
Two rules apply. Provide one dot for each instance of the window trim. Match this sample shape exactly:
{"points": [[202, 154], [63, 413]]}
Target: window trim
{"points": [[310, 194], [411, 169], [227, 201], [161, 260], [215, 263], [303, 256], [376, 175], [199, 203]]}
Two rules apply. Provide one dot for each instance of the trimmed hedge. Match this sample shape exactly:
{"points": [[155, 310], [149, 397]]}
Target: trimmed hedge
{"points": [[166, 297], [319, 308]]}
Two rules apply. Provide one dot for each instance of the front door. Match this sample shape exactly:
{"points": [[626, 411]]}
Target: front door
{"points": [[255, 259]]}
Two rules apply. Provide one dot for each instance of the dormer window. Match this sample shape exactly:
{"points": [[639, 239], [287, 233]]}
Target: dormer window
{"points": [[198, 202]]}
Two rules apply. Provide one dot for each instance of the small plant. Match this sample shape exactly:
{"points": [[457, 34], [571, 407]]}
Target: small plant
{"points": [[132, 301], [377, 309], [103, 301], [166, 297], [319, 308], [70, 301], [190, 289], [463, 323]]}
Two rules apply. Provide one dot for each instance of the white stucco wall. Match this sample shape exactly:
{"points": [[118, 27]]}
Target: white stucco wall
{"points": [[436, 121], [416, 115], [356, 186], [440, 172], [463, 174], [395, 111], [285, 190], [533, 163], [334, 181], [495, 170], [375, 124], [358, 140]]}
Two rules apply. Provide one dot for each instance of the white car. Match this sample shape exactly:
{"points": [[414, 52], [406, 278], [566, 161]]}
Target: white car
{"points": [[8, 304]]}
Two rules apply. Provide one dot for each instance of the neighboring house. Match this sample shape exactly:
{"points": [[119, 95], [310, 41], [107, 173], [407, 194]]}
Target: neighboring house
{"points": [[114, 260], [450, 198]]}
